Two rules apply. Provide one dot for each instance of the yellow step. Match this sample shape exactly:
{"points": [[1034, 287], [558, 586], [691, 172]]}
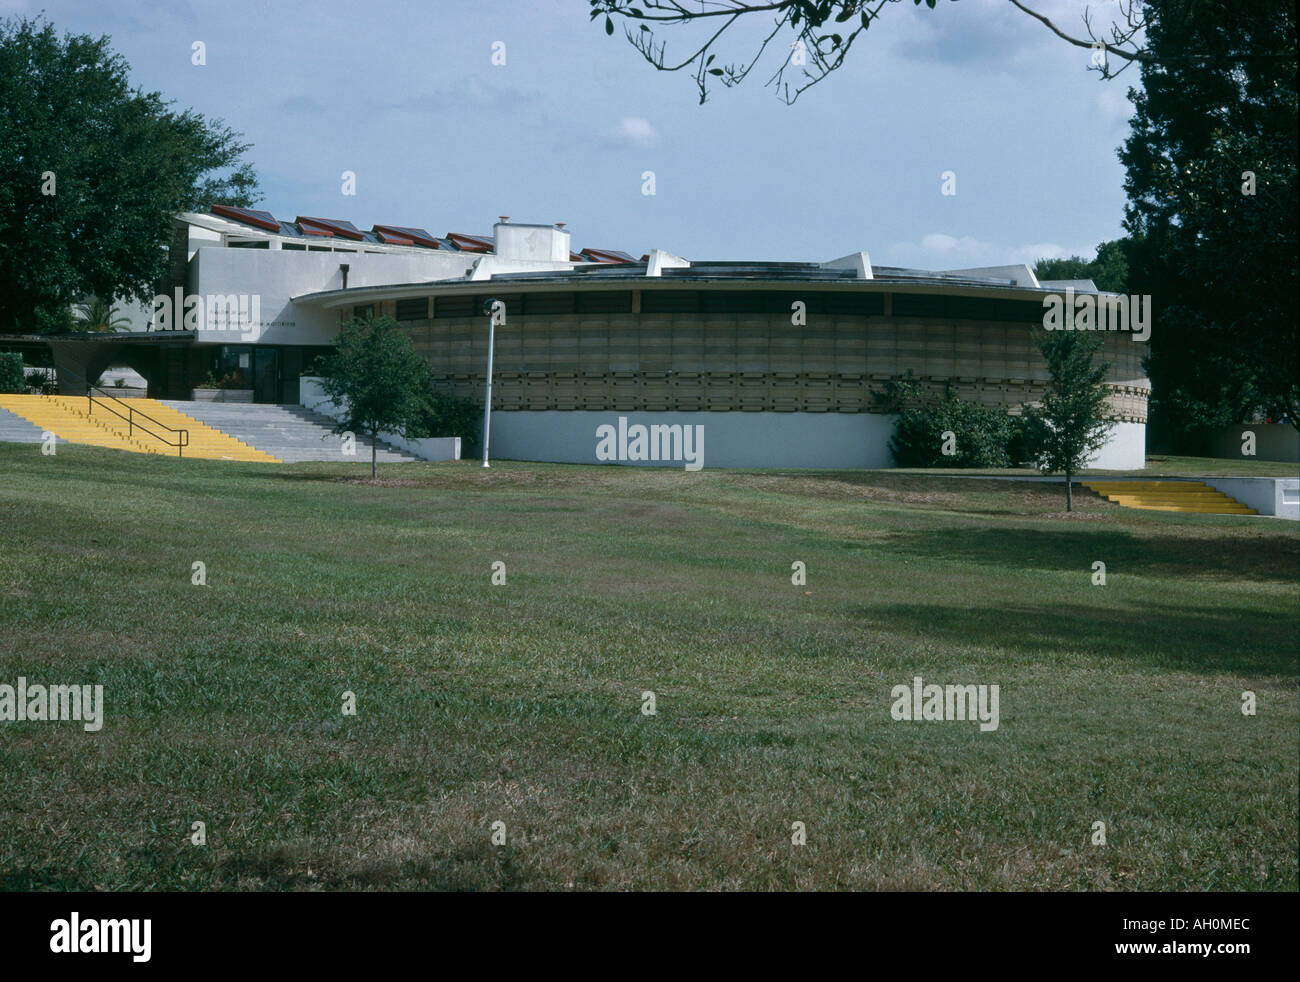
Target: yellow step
{"points": [[205, 441], [64, 416], [78, 420], [1192, 497]]}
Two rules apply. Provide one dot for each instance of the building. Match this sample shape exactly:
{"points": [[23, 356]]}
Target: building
{"points": [[779, 362]]}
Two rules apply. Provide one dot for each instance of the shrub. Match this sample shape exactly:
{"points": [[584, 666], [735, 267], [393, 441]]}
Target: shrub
{"points": [[11, 372], [1027, 439], [41, 384], [982, 436], [447, 416]]}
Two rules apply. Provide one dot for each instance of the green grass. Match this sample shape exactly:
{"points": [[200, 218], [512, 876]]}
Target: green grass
{"points": [[521, 703], [1157, 466]]}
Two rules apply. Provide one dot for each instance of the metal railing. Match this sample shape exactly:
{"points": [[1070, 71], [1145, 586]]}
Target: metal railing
{"points": [[133, 416]]}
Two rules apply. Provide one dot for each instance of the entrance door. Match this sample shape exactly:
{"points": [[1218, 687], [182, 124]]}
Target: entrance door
{"points": [[266, 382]]}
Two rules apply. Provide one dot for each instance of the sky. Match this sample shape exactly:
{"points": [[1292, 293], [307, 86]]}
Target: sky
{"points": [[405, 96]]}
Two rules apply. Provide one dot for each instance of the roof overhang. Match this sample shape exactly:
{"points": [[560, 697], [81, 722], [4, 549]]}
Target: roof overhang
{"points": [[106, 337], [636, 279]]}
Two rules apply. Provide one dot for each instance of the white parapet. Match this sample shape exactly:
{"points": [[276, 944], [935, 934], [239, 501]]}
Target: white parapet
{"points": [[1126, 449], [1277, 496]]}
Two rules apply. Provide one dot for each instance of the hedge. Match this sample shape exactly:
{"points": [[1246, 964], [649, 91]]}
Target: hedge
{"points": [[12, 378]]}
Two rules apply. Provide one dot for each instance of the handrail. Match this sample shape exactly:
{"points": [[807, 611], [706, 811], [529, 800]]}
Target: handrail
{"points": [[182, 435]]}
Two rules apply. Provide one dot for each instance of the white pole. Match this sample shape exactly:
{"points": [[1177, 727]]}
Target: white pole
{"points": [[490, 307]]}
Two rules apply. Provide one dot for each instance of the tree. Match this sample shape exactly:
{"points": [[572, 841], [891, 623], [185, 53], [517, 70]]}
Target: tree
{"points": [[91, 172], [1071, 422], [376, 378], [98, 315], [816, 36], [1109, 271], [1211, 180]]}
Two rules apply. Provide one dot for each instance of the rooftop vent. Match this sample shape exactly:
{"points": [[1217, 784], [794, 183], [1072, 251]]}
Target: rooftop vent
{"points": [[545, 243]]}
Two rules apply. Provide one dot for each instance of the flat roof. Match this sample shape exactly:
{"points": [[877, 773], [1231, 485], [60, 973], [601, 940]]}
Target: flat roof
{"points": [[705, 275]]}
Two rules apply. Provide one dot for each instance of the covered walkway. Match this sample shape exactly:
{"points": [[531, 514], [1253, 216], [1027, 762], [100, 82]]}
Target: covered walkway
{"points": [[165, 358]]}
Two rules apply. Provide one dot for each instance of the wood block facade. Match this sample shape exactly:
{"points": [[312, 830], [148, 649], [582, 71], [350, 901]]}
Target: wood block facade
{"points": [[672, 349]]}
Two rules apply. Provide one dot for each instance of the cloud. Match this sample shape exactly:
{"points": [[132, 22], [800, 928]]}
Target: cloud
{"points": [[972, 34], [461, 96], [994, 35], [1113, 104], [938, 250], [299, 105], [633, 131]]}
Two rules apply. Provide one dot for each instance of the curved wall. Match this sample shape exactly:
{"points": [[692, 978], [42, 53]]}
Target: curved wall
{"points": [[606, 353]]}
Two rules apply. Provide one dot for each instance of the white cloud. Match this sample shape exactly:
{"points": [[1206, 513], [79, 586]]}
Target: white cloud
{"points": [[938, 250], [634, 131], [1113, 104]]}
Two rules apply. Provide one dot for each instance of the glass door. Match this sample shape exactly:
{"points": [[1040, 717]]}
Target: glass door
{"points": [[266, 381]]}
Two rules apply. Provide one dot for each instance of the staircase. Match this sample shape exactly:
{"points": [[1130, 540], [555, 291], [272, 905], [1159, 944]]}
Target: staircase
{"points": [[69, 417], [290, 433], [1194, 497], [156, 429], [205, 441]]}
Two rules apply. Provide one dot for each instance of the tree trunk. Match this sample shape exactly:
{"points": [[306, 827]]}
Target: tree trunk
{"points": [[1069, 491], [374, 439]]}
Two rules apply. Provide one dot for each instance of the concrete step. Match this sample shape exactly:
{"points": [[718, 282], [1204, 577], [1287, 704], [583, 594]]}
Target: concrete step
{"points": [[291, 433], [15, 429]]}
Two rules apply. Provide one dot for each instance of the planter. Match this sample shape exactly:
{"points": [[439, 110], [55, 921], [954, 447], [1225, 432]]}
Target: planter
{"points": [[223, 395]]}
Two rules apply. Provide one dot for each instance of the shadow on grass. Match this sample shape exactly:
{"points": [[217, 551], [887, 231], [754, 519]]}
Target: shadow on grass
{"points": [[29, 880], [476, 868], [1232, 640], [1271, 557]]}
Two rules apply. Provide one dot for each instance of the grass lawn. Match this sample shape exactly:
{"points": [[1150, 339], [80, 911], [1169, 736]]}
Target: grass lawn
{"points": [[522, 703], [1158, 466]]}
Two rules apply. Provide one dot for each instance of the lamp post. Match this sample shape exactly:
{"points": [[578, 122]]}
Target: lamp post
{"points": [[493, 308]]}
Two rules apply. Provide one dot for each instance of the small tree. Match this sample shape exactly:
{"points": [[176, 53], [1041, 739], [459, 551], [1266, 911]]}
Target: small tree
{"points": [[1071, 422], [376, 379]]}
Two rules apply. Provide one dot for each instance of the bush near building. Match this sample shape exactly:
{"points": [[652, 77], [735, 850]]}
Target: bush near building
{"points": [[445, 415], [981, 436], [11, 372]]}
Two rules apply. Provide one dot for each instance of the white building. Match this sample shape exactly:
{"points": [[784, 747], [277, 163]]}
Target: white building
{"points": [[780, 363]]}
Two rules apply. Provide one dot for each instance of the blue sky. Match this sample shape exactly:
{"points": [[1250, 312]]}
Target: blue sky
{"points": [[405, 95]]}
